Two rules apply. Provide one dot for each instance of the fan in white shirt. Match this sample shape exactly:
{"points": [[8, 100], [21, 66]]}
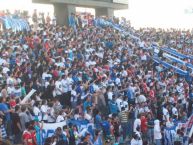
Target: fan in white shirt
{"points": [[60, 117], [142, 44], [180, 88], [87, 116], [137, 123], [136, 141], [58, 87], [157, 130], [46, 75], [74, 96], [5, 70], [110, 95], [119, 103], [96, 87], [17, 91], [141, 110], [125, 103], [10, 80], [118, 81], [44, 110], [124, 73], [2, 61], [64, 85], [37, 111], [144, 57], [69, 82], [166, 114], [174, 110], [10, 89], [60, 64], [51, 114]]}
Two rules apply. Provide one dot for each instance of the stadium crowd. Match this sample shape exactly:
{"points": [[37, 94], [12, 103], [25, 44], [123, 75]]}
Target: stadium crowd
{"points": [[83, 72]]}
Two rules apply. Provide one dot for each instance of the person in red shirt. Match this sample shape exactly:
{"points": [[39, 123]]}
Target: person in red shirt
{"points": [[12, 102], [28, 135], [143, 125], [46, 45], [55, 72], [29, 40], [144, 85], [152, 94]]}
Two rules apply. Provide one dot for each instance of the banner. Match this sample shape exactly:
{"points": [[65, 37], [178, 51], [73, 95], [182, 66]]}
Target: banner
{"points": [[191, 132], [49, 128], [190, 122], [28, 96], [83, 127]]}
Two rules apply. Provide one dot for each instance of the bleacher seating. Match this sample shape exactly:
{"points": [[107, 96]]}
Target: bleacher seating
{"points": [[168, 65]]}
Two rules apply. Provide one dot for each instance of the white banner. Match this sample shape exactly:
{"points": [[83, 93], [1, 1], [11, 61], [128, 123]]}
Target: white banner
{"points": [[28, 96], [49, 128], [191, 132]]}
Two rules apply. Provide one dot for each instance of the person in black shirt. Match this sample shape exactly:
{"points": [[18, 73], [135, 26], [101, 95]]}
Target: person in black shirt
{"points": [[17, 130]]}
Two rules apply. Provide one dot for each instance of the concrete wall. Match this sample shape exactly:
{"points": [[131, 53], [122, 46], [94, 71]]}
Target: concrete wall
{"points": [[63, 12], [63, 8], [86, 3], [104, 12]]}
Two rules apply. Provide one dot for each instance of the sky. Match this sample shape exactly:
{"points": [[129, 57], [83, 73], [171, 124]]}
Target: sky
{"points": [[159, 13], [141, 13]]}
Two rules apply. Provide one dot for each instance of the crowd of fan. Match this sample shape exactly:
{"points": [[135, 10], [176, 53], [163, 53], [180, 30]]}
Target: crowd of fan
{"points": [[94, 74]]}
